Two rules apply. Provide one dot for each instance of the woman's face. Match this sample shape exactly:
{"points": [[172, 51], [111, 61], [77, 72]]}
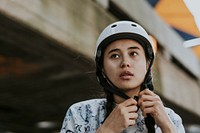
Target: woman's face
{"points": [[125, 64]]}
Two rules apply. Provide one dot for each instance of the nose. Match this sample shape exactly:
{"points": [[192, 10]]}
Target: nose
{"points": [[125, 63]]}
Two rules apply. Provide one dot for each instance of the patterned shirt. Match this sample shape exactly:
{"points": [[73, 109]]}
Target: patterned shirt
{"points": [[87, 116]]}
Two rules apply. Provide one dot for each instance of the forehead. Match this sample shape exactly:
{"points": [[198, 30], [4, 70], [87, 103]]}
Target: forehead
{"points": [[123, 44]]}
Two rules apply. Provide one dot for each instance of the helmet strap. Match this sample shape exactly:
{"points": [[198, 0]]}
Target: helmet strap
{"points": [[108, 85]]}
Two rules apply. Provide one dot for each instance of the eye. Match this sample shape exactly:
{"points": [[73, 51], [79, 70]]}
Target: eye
{"points": [[114, 56], [133, 53]]}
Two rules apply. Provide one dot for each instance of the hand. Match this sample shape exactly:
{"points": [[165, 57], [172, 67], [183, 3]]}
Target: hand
{"points": [[150, 103], [122, 116]]}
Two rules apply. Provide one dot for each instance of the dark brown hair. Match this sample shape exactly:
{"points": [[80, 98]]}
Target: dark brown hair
{"points": [[149, 120]]}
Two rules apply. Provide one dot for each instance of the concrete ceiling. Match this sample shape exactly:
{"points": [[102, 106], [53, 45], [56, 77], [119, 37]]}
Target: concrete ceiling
{"points": [[40, 79]]}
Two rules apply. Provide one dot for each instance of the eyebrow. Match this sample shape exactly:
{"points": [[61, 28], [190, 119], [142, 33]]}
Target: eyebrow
{"points": [[134, 47], [116, 49]]}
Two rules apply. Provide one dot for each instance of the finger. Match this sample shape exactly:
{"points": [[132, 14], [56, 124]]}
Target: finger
{"points": [[132, 108], [130, 119], [146, 104], [146, 111], [129, 102], [147, 92], [132, 116], [151, 111], [131, 122], [146, 98]]}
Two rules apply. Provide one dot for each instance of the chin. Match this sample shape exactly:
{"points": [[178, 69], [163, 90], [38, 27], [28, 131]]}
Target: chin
{"points": [[127, 84], [128, 87]]}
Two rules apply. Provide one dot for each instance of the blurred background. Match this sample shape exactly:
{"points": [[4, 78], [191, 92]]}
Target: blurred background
{"points": [[47, 51]]}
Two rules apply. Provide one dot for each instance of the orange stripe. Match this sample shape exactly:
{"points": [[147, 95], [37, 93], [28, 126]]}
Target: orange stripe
{"points": [[176, 14]]}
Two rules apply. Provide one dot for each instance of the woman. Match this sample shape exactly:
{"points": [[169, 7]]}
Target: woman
{"points": [[124, 57]]}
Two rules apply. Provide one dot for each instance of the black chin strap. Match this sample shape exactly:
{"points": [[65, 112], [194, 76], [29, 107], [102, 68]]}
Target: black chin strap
{"points": [[105, 82], [108, 85], [147, 80]]}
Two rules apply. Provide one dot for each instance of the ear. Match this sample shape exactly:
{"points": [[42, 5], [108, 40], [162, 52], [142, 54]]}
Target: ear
{"points": [[147, 65]]}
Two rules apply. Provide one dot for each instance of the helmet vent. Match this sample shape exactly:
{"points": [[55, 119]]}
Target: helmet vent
{"points": [[133, 25], [113, 26]]}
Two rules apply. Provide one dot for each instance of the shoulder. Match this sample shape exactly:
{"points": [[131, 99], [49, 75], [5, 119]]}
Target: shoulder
{"points": [[176, 120], [173, 116], [84, 116], [92, 104], [88, 107], [91, 101]]}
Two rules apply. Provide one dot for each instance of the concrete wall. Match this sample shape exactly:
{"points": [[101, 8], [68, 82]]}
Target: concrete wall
{"points": [[77, 23], [74, 23], [177, 86]]}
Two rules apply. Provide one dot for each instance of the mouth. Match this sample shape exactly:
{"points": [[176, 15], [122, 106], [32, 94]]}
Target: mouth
{"points": [[126, 75]]}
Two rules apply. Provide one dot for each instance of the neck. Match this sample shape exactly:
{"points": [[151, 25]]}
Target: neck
{"points": [[130, 93]]}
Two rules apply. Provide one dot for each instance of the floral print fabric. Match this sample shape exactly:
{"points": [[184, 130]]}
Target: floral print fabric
{"points": [[87, 116]]}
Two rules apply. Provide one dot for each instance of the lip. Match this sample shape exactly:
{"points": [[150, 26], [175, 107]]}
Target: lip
{"points": [[126, 75]]}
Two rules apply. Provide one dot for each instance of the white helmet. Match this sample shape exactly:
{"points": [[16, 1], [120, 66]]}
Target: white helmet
{"points": [[116, 31], [122, 30]]}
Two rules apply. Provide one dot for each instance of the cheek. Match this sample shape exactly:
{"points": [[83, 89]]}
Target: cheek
{"points": [[142, 68], [109, 69]]}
